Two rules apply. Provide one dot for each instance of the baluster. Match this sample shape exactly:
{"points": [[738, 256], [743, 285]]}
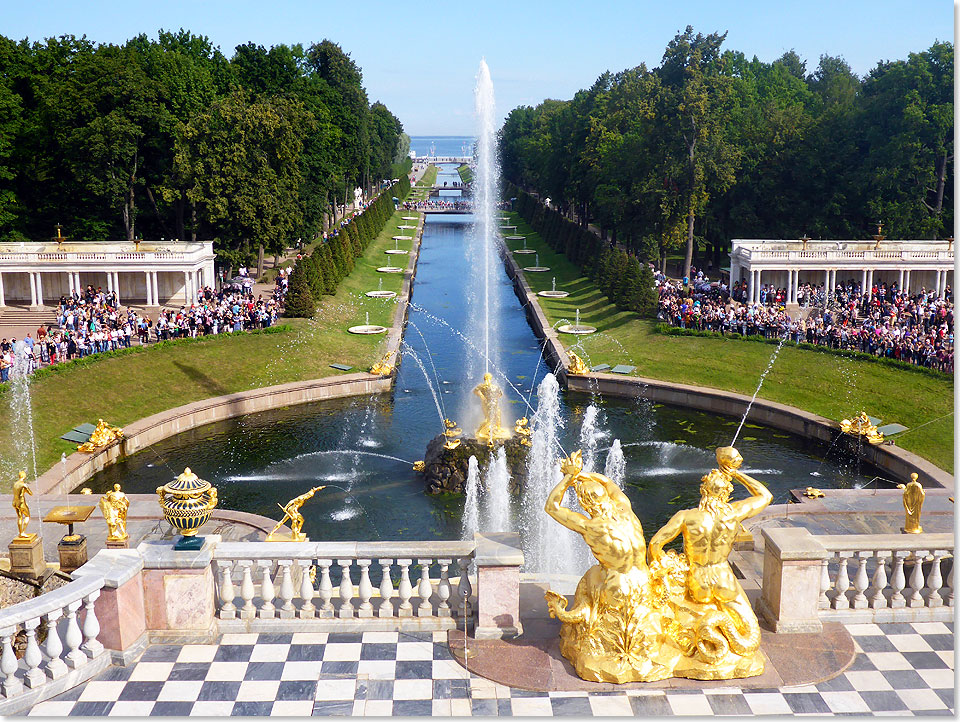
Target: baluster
{"points": [[326, 589], [365, 589], [75, 658], [443, 589], [267, 590], [12, 685], [346, 589], [897, 581], [425, 589], [91, 627], [840, 601], [824, 601], [56, 667], [287, 610], [935, 580], [405, 590], [953, 564], [34, 676], [386, 589], [227, 591], [307, 610], [916, 581], [877, 599], [464, 590], [247, 591], [860, 581]]}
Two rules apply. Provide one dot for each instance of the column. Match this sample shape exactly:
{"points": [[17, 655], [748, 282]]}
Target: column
{"points": [[939, 287], [156, 289], [900, 283], [116, 285], [870, 283], [906, 282], [863, 281], [109, 281], [186, 287], [39, 289], [2, 302], [826, 284], [789, 285], [149, 285], [796, 285], [70, 281]]}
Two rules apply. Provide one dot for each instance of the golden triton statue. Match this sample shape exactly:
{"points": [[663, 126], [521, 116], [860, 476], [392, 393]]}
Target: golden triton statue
{"points": [[490, 394], [291, 511], [679, 616], [861, 426], [383, 367], [523, 431], [452, 432], [21, 489], [812, 493], [103, 435], [577, 365], [913, 495], [114, 505]]}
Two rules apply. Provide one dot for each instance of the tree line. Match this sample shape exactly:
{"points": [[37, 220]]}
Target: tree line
{"points": [[318, 273], [168, 138], [712, 145]]}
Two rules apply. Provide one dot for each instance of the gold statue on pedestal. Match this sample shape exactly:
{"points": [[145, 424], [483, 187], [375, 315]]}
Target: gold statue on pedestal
{"points": [[490, 394], [862, 426], [522, 430], [114, 506], [103, 435], [679, 616], [383, 367], [577, 365], [913, 495], [291, 511], [21, 489], [452, 432]]}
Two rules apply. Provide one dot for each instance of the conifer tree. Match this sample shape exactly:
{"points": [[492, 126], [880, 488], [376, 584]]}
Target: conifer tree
{"points": [[299, 301]]}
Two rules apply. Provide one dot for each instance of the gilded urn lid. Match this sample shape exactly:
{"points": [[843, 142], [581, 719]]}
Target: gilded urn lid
{"points": [[187, 483]]}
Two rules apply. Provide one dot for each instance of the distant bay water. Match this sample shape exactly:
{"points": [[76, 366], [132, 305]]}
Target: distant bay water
{"points": [[442, 145]]}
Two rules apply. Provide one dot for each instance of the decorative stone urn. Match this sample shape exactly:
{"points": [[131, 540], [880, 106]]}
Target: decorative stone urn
{"points": [[186, 503]]}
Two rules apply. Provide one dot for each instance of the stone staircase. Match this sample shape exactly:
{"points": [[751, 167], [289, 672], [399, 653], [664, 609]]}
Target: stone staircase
{"points": [[24, 317]]}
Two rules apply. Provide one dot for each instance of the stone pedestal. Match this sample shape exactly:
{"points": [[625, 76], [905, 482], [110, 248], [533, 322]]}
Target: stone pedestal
{"points": [[73, 552], [498, 558], [118, 544], [26, 556], [791, 580]]}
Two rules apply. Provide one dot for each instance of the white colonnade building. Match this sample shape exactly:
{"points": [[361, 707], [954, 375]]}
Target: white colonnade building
{"points": [[147, 273], [911, 264]]}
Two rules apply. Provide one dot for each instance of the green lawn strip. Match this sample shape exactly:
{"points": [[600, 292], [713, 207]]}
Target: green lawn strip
{"points": [[466, 174], [429, 177], [826, 384], [125, 387]]}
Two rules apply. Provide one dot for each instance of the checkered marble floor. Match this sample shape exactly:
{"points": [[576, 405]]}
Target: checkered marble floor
{"points": [[900, 669]]}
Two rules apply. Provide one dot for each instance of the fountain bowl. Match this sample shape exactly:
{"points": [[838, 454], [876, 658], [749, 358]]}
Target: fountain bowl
{"points": [[367, 329], [508, 227], [537, 269], [576, 330], [514, 238], [408, 218], [396, 251], [406, 228], [525, 250], [381, 294], [553, 294], [389, 269]]}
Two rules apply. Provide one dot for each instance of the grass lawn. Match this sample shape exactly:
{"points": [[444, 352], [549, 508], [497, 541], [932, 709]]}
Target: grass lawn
{"points": [[466, 174], [823, 383], [126, 388]]}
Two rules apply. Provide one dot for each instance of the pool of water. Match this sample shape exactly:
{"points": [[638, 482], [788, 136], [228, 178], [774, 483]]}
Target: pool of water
{"points": [[363, 448]]}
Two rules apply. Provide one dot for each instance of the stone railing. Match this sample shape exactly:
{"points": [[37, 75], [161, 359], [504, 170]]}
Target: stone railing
{"points": [[756, 254], [70, 653], [257, 582], [856, 578]]}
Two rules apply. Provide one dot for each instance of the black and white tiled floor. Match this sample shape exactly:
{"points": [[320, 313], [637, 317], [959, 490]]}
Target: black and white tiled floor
{"points": [[900, 669]]}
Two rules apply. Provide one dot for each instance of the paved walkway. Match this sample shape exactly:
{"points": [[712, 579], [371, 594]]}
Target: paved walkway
{"points": [[900, 669]]}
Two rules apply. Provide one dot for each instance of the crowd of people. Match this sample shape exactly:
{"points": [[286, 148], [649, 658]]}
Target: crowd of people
{"points": [[93, 322], [435, 205], [915, 328]]}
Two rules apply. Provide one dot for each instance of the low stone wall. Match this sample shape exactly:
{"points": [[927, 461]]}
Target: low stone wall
{"points": [[78, 467], [897, 462]]}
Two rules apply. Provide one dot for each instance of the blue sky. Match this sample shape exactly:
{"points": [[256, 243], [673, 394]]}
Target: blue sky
{"points": [[421, 58]]}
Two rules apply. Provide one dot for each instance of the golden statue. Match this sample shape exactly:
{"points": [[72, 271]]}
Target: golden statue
{"points": [[490, 394], [913, 495], [419, 465], [452, 432], [861, 426], [577, 366], [103, 435], [383, 367], [812, 493], [291, 511], [523, 431], [679, 616], [20, 490], [613, 632], [114, 505], [714, 624]]}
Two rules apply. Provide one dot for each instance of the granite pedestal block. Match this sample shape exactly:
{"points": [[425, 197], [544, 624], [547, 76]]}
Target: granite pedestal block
{"points": [[118, 544], [73, 553], [26, 556]]}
